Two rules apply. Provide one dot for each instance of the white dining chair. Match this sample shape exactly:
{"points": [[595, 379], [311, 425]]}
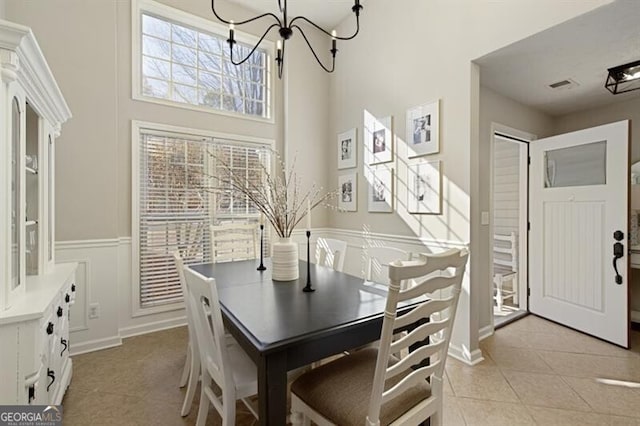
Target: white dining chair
{"points": [[234, 241], [228, 374], [331, 252], [373, 387], [377, 261], [191, 371]]}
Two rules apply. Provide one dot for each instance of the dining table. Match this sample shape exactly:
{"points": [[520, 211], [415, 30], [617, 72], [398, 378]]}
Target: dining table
{"points": [[282, 328]]}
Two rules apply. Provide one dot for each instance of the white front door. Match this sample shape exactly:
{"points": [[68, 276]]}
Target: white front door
{"points": [[578, 195]]}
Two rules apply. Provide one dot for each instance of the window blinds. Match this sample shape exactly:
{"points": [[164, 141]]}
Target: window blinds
{"points": [[177, 204]]}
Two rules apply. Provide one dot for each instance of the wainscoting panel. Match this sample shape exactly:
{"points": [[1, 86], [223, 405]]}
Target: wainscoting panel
{"points": [[104, 278]]}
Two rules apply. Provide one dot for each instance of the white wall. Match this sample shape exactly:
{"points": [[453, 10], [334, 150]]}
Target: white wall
{"points": [[3, 9]]}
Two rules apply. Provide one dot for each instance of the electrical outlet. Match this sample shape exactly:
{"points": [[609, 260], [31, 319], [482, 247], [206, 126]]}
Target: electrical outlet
{"points": [[94, 311]]}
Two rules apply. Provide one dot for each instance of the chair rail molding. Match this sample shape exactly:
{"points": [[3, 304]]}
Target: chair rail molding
{"points": [[106, 268]]}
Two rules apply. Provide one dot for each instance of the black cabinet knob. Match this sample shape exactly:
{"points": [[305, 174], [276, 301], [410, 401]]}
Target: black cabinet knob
{"points": [[73, 287], [67, 297], [59, 312], [50, 328], [52, 375]]}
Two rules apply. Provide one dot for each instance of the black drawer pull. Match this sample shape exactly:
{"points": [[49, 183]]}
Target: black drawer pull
{"points": [[73, 287], [67, 298], [50, 328], [59, 313], [52, 375], [65, 344], [32, 393]]}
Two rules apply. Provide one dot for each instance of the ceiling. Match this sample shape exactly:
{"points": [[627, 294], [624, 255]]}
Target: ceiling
{"points": [[326, 13], [581, 49]]}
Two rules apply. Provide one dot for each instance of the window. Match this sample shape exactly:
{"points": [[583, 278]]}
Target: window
{"points": [[185, 61], [176, 203]]}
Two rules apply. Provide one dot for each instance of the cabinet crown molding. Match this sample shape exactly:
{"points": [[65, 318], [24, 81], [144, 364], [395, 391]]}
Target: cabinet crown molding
{"points": [[33, 72]]}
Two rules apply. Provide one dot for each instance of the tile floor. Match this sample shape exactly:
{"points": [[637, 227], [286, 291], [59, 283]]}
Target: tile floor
{"points": [[535, 372]]}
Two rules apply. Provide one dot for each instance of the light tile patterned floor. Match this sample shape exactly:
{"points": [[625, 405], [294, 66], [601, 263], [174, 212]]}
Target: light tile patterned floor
{"points": [[535, 372]]}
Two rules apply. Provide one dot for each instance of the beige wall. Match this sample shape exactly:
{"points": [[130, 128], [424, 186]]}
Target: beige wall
{"points": [[389, 68], [91, 59], [2, 8], [81, 55], [627, 110]]}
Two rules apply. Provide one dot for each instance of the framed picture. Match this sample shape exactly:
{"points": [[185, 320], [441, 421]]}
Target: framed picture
{"points": [[380, 197], [423, 183], [347, 149], [348, 196], [378, 139], [423, 129]]}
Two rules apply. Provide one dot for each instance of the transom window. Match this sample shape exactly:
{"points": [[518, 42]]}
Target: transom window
{"points": [[184, 64]]}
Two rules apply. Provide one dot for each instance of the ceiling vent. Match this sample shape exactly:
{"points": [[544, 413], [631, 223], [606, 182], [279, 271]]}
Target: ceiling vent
{"points": [[564, 84]]}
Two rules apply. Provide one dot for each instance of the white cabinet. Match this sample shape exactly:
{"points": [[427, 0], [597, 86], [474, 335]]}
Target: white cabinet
{"points": [[35, 292]]}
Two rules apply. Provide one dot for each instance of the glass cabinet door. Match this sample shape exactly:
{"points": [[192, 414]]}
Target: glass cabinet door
{"points": [[50, 223], [16, 222]]}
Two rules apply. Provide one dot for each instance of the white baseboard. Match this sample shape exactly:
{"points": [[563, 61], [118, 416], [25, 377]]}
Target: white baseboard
{"points": [[152, 327], [485, 332], [462, 354], [95, 345]]}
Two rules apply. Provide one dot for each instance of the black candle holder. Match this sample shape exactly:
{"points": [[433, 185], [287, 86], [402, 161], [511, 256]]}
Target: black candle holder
{"points": [[261, 267], [308, 288]]}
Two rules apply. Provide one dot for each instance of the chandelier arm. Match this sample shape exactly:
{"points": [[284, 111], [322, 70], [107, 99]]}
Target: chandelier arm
{"points": [[304, 36], [245, 21], [281, 61], [252, 50], [319, 28]]}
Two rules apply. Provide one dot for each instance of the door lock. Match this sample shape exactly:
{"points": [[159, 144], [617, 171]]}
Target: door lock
{"points": [[618, 252]]}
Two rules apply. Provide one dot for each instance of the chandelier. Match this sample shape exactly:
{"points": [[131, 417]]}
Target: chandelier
{"points": [[286, 27]]}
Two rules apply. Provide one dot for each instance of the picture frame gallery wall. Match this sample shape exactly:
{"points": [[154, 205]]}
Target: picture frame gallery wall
{"points": [[379, 143]]}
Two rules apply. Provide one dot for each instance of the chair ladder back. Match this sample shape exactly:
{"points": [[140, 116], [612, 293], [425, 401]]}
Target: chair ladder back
{"points": [[507, 245], [233, 242], [331, 253], [378, 259], [210, 334], [438, 329], [185, 295]]}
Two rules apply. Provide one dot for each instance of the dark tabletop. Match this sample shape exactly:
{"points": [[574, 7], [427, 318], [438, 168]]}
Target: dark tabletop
{"points": [[276, 313]]}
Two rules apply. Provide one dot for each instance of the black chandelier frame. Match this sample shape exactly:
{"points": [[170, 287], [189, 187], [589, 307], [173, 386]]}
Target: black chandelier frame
{"points": [[286, 28]]}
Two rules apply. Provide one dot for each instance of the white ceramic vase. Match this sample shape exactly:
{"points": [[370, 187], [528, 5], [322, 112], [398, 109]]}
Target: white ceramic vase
{"points": [[284, 260]]}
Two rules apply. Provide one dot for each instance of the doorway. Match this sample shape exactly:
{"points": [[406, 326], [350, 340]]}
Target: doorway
{"points": [[508, 224]]}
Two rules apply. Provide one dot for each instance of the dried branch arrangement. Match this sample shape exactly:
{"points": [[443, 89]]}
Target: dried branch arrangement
{"points": [[277, 195]]}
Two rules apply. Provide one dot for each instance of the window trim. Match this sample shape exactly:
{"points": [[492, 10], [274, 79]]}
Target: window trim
{"points": [[180, 16], [137, 128]]}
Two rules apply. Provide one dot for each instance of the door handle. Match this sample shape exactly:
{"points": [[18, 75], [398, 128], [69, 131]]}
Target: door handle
{"points": [[618, 252]]}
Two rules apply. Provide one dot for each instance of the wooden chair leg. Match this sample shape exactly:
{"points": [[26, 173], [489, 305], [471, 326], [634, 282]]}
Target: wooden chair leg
{"points": [[514, 283], [203, 409], [194, 376], [185, 370], [498, 283]]}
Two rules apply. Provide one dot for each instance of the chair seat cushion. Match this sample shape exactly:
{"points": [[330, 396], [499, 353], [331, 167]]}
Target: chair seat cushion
{"points": [[340, 391]]}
